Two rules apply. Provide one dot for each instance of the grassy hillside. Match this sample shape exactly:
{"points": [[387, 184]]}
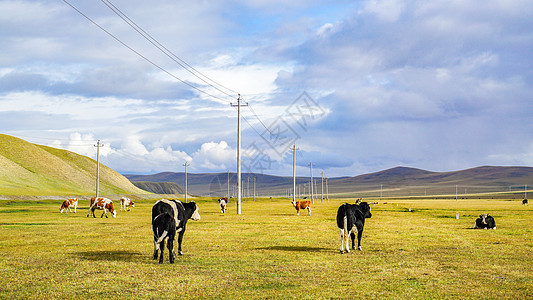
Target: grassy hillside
{"points": [[160, 187], [30, 169]]}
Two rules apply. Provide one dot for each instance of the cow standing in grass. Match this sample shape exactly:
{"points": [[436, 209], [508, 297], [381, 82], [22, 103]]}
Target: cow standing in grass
{"points": [[351, 220], [67, 204], [164, 228], [302, 205], [223, 202], [102, 204], [126, 203], [524, 202], [180, 213]]}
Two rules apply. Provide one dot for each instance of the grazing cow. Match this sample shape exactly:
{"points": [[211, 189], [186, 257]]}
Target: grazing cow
{"points": [[164, 228], [302, 205], [67, 204], [181, 212], [351, 220], [223, 202], [485, 222], [103, 204], [126, 203], [524, 202]]}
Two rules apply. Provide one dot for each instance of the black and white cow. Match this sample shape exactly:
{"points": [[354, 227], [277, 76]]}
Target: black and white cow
{"points": [[485, 222], [180, 212], [524, 202], [164, 228], [351, 220], [223, 202]]}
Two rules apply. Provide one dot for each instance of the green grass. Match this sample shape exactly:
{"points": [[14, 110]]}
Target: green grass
{"points": [[269, 252]]}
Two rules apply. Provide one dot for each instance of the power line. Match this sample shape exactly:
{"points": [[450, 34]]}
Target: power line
{"points": [[142, 56], [167, 52]]}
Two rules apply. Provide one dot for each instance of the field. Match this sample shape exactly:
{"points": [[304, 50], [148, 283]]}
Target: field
{"points": [[269, 252]]}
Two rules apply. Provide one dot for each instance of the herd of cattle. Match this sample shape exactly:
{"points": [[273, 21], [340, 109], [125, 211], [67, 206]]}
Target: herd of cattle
{"points": [[169, 217]]}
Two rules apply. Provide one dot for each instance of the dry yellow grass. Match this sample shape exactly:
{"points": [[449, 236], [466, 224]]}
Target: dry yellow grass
{"points": [[269, 252]]}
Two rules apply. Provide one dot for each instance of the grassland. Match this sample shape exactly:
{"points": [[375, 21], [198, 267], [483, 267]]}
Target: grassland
{"points": [[269, 252]]}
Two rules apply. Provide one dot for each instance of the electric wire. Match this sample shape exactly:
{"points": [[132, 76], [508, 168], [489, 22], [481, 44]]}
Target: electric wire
{"points": [[166, 51], [142, 56]]}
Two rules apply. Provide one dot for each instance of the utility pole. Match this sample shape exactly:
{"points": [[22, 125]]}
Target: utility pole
{"points": [[381, 193], [525, 192], [327, 190], [186, 164], [311, 184], [322, 189], [254, 187], [228, 187], [98, 145], [239, 183], [248, 187], [294, 173]]}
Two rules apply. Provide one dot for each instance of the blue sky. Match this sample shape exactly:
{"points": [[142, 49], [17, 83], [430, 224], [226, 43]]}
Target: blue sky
{"points": [[359, 86]]}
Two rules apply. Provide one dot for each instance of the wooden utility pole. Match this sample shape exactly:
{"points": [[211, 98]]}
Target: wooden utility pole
{"points": [[186, 164], [98, 145], [228, 187], [311, 184], [239, 183], [322, 189], [294, 173]]}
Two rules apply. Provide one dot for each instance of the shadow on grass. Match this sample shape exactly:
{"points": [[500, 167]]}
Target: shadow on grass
{"points": [[295, 248], [112, 256]]}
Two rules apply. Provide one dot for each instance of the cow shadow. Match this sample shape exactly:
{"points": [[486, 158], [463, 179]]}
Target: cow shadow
{"points": [[126, 256], [295, 248]]}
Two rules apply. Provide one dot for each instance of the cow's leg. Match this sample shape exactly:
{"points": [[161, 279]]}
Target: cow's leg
{"points": [[170, 246], [75, 208], [297, 212], [341, 230], [352, 237], [309, 210], [359, 235], [162, 248], [180, 239], [156, 247]]}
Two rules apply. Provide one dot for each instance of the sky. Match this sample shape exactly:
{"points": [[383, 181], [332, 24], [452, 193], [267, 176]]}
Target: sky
{"points": [[357, 86]]}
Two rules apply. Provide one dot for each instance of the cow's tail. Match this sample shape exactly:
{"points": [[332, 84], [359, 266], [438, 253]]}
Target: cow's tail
{"points": [[345, 228], [159, 239]]}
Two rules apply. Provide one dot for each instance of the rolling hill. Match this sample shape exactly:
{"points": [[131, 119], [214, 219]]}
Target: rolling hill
{"points": [[399, 181], [31, 169]]}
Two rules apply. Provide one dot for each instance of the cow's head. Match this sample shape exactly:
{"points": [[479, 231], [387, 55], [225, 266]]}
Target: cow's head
{"points": [[195, 215], [366, 209], [293, 203], [483, 218]]}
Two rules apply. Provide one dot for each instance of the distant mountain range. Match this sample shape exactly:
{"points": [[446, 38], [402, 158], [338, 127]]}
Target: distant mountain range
{"points": [[399, 181]]}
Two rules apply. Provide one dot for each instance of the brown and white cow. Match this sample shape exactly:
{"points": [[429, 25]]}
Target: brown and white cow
{"points": [[67, 204], [102, 204], [126, 203], [302, 205]]}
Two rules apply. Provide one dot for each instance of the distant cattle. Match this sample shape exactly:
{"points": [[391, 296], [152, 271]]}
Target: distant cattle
{"points": [[485, 222], [67, 204], [524, 202], [180, 212], [351, 220], [302, 205], [102, 204], [126, 203], [223, 202], [164, 228]]}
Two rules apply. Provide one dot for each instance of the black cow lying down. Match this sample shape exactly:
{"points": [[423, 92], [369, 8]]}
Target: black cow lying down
{"points": [[485, 222], [180, 213], [351, 220]]}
